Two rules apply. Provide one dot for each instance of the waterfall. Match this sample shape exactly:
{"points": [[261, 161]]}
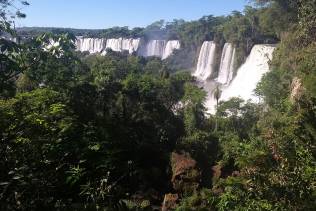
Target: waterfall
{"points": [[130, 45], [247, 78], [92, 45], [114, 44], [205, 65], [122, 44], [226, 70], [250, 74], [154, 48], [96, 45], [158, 48], [170, 47]]}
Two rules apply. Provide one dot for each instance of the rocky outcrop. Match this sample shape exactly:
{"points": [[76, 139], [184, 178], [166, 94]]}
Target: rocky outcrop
{"points": [[185, 173]]}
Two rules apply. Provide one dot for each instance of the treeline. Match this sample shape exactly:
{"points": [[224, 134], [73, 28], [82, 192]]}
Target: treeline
{"points": [[30, 32]]}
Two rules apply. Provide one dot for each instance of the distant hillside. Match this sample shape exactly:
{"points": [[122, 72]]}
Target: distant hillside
{"points": [[34, 31], [114, 32]]}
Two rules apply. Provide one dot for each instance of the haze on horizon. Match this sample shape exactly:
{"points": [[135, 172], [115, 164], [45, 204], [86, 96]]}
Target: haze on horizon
{"points": [[99, 14]]}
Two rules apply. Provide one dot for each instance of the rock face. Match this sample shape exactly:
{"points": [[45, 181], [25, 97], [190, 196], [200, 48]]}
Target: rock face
{"points": [[185, 174], [170, 202]]}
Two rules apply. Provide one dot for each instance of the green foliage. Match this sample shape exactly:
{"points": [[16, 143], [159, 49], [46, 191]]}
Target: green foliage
{"points": [[107, 69], [35, 126], [195, 32], [202, 200], [25, 84], [193, 102], [274, 88], [49, 61], [9, 67], [307, 11], [9, 50]]}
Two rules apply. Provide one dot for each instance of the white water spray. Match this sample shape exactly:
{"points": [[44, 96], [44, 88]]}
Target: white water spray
{"points": [[247, 78]]}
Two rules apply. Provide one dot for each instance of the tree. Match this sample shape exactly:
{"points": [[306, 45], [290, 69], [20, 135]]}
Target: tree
{"points": [[49, 60], [9, 50], [307, 10], [217, 95]]}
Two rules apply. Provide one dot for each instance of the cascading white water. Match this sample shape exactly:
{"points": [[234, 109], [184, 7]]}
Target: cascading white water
{"points": [[250, 74], [206, 62], [226, 70], [247, 78], [158, 48], [130, 45], [154, 48], [114, 44], [96, 45], [92, 45], [170, 47], [122, 44]]}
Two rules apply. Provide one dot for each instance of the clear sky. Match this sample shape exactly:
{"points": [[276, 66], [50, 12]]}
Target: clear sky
{"points": [[99, 14]]}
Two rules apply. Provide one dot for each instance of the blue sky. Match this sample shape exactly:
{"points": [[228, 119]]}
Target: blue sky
{"points": [[93, 14]]}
